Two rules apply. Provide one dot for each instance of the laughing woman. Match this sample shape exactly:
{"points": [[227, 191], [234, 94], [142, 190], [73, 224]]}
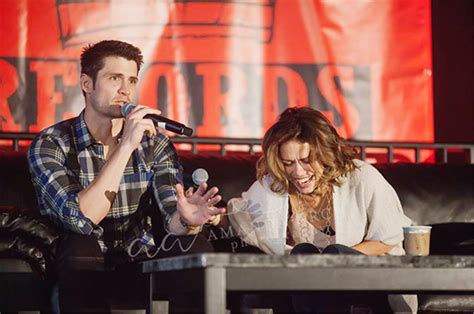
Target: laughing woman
{"points": [[313, 196]]}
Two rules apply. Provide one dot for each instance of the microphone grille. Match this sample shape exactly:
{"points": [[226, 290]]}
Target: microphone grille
{"points": [[200, 176], [126, 109]]}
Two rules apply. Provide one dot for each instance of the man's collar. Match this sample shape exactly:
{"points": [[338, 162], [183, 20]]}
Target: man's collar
{"points": [[83, 137]]}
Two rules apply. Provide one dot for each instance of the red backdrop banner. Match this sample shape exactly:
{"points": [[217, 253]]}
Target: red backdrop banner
{"points": [[228, 68]]}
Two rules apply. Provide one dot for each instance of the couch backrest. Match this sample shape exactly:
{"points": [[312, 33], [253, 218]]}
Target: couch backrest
{"points": [[16, 190], [430, 193], [433, 193]]}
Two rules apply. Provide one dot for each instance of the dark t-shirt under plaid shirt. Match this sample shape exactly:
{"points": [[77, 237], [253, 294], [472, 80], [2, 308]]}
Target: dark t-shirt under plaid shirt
{"points": [[64, 159]]}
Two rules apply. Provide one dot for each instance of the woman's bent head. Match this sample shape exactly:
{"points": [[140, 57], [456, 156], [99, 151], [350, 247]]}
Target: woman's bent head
{"points": [[303, 152]]}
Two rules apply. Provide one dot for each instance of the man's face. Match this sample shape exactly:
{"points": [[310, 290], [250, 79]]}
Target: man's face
{"points": [[115, 85]]}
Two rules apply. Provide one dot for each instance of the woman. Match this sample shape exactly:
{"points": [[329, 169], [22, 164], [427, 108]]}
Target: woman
{"points": [[313, 196]]}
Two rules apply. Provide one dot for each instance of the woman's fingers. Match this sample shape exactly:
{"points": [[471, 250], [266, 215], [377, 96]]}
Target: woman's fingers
{"points": [[214, 220]]}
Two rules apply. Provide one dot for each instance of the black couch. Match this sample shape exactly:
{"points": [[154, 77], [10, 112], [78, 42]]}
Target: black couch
{"points": [[440, 195]]}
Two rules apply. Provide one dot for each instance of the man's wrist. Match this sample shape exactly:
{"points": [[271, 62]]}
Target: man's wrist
{"points": [[175, 226], [125, 148], [185, 224]]}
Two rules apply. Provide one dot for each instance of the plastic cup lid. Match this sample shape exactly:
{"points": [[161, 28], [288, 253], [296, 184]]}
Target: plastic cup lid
{"points": [[417, 229]]}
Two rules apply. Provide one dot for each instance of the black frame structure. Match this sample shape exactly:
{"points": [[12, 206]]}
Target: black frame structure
{"points": [[443, 150]]}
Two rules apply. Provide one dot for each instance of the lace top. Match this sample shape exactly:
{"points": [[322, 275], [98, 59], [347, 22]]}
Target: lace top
{"points": [[300, 230]]}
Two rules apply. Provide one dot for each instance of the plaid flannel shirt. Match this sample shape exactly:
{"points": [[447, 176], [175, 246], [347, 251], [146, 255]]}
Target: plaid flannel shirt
{"points": [[64, 159]]}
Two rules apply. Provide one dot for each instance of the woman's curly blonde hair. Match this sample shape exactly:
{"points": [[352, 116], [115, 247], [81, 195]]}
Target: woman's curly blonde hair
{"points": [[327, 148]]}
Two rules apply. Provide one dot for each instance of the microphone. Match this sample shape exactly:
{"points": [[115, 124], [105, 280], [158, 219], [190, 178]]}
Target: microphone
{"points": [[161, 121], [200, 176]]}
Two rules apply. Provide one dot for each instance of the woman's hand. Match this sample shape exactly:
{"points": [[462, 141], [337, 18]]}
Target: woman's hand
{"points": [[370, 247]]}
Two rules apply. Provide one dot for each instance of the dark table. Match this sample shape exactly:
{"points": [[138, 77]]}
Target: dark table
{"points": [[215, 274]]}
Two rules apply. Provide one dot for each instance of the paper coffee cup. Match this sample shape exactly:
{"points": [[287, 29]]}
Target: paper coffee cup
{"points": [[417, 240]]}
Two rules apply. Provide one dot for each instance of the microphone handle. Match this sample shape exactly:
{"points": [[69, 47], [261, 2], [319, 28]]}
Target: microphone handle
{"points": [[158, 118], [172, 128], [170, 125]]}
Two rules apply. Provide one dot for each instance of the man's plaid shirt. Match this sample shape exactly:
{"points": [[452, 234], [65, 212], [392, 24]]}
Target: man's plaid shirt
{"points": [[64, 159]]}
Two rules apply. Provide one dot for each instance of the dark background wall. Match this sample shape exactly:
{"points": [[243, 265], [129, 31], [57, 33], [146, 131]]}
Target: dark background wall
{"points": [[452, 71]]}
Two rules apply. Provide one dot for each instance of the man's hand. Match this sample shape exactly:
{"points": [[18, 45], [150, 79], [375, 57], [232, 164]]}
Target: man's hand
{"points": [[198, 208], [136, 126], [214, 219]]}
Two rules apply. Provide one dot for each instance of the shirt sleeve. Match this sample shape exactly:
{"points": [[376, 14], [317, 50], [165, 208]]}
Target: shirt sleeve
{"points": [[57, 187], [384, 210], [167, 173], [260, 216]]}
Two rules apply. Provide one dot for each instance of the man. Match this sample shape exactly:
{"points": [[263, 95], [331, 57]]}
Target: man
{"points": [[97, 174]]}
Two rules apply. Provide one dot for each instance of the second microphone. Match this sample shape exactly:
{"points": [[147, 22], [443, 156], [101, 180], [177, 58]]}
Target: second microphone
{"points": [[161, 121]]}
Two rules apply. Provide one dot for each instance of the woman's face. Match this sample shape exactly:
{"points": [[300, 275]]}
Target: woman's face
{"points": [[295, 158]]}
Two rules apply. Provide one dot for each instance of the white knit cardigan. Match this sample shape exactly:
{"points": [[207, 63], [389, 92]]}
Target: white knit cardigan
{"points": [[366, 207]]}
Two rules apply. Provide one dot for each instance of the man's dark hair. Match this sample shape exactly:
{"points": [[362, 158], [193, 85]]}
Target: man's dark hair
{"points": [[93, 55]]}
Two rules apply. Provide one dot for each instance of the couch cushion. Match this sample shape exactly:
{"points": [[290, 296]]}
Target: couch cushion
{"points": [[36, 229], [452, 239]]}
